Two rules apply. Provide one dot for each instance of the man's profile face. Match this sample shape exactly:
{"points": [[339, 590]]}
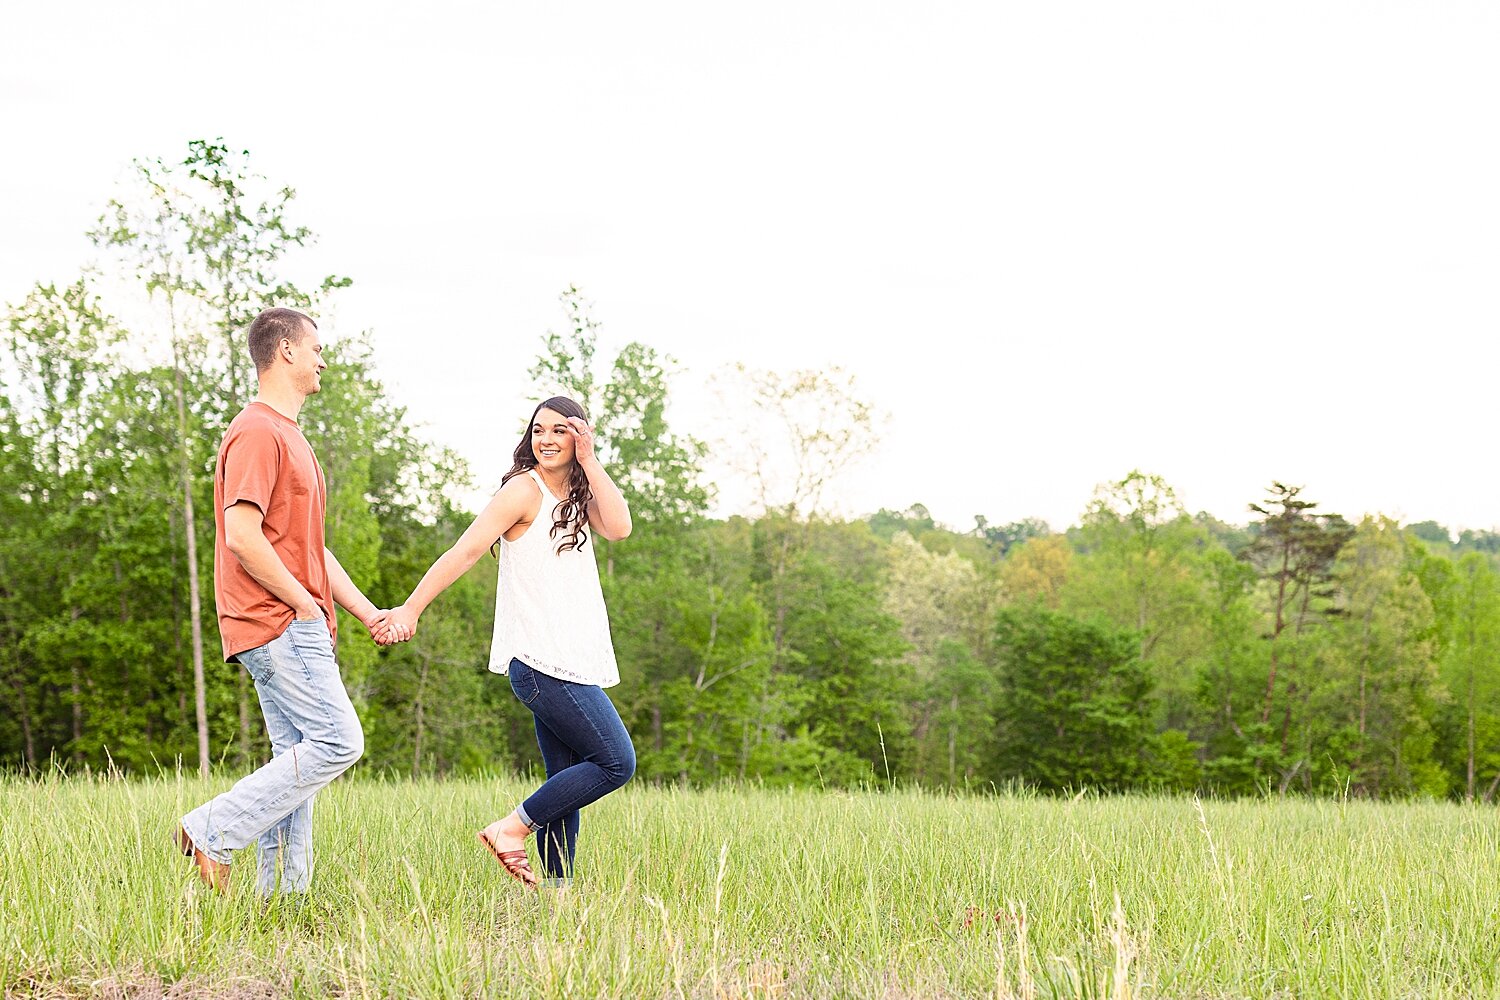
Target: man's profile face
{"points": [[307, 360]]}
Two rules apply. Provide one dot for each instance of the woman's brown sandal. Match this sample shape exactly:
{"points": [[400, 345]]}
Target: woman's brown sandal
{"points": [[515, 863]]}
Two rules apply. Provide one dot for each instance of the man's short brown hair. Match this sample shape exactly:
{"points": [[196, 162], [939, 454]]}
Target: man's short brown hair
{"points": [[272, 326]]}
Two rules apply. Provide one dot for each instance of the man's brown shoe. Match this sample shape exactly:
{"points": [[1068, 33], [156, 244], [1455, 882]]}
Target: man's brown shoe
{"points": [[215, 873]]}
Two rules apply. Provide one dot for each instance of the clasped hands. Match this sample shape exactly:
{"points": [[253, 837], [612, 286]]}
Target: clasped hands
{"points": [[392, 626]]}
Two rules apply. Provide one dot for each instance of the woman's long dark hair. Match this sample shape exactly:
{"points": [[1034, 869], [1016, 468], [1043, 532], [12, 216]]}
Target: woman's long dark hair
{"points": [[572, 513]]}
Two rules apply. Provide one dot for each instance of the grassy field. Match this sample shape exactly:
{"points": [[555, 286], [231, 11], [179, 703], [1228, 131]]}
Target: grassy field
{"points": [[740, 893]]}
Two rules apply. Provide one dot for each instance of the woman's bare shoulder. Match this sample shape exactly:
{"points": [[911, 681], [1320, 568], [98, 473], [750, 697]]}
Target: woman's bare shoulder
{"points": [[519, 485], [517, 500]]}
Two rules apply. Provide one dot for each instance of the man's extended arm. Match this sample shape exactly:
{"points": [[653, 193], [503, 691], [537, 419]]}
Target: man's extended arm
{"points": [[348, 596]]}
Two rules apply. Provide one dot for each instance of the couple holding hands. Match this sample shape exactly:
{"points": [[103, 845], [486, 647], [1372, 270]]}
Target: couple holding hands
{"points": [[275, 585]]}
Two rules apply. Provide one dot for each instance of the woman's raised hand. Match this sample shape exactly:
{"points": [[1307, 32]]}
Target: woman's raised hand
{"points": [[398, 625], [583, 439]]}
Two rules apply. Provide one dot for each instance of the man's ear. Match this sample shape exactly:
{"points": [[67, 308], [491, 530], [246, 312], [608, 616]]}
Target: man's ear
{"points": [[286, 348]]}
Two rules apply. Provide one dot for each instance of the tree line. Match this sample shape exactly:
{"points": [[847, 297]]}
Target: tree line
{"points": [[1144, 647]]}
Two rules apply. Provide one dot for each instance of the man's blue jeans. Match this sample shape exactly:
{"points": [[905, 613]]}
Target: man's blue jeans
{"points": [[586, 751], [315, 737]]}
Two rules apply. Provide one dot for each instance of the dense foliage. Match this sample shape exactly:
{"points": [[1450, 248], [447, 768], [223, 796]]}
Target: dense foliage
{"points": [[1144, 647]]}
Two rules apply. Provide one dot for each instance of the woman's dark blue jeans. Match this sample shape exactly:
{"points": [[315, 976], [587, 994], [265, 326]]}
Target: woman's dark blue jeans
{"points": [[586, 751]]}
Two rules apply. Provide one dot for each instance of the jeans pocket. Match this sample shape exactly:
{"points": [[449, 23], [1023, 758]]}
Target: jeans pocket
{"points": [[523, 682], [307, 633], [259, 664]]}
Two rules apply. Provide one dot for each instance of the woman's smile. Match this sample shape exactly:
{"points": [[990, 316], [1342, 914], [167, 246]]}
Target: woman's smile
{"points": [[549, 438]]}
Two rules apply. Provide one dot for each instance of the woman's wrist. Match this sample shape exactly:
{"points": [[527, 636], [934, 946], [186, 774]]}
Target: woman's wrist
{"points": [[591, 466]]}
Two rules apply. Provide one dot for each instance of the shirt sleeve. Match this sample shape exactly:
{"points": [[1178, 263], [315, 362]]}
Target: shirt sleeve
{"points": [[252, 461]]}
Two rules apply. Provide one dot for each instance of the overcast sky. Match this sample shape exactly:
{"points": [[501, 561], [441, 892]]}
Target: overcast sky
{"points": [[1226, 243]]}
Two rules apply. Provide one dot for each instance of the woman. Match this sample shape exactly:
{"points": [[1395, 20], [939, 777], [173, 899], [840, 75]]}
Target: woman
{"points": [[551, 629]]}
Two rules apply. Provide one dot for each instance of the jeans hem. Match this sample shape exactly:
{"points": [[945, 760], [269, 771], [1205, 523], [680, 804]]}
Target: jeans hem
{"points": [[585, 793], [205, 844]]}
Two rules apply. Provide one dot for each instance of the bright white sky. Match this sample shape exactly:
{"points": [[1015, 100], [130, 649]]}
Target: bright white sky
{"points": [[1223, 242]]}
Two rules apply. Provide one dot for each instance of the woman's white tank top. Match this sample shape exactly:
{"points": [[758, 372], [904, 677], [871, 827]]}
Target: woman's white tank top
{"points": [[549, 608]]}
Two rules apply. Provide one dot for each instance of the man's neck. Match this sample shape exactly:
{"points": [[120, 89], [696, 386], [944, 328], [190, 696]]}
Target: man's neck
{"points": [[283, 399]]}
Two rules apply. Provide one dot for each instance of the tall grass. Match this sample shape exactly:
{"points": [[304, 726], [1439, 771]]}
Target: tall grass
{"points": [[740, 893]]}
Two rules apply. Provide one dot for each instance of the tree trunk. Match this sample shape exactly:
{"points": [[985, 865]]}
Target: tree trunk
{"points": [[1142, 606], [1364, 675], [25, 715], [416, 755], [195, 594], [1291, 688], [125, 695], [176, 605], [232, 350], [76, 689], [194, 609], [1286, 720], [953, 744], [744, 747], [1470, 783], [1265, 712]]}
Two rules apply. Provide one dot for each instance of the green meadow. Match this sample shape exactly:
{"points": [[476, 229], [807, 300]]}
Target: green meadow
{"points": [[762, 893]]}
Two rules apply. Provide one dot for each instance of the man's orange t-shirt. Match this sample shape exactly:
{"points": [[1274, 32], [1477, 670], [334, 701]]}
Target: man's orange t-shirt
{"points": [[266, 461]]}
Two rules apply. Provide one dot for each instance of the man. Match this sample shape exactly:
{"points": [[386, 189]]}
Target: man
{"points": [[275, 585]]}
